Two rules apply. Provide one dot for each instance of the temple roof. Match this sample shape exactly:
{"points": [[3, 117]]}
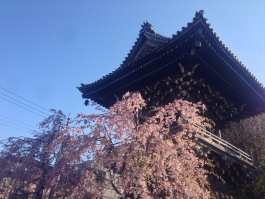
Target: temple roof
{"points": [[152, 53], [147, 42]]}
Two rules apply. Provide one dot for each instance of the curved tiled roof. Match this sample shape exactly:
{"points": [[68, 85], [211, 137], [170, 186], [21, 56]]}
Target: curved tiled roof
{"points": [[200, 14], [217, 60], [147, 30]]}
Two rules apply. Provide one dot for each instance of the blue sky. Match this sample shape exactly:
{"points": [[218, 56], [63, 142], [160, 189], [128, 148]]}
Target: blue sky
{"points": [[47, 48]]}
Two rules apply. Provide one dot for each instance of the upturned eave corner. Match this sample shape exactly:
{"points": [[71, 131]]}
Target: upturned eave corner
{"points": [[148, 40], [135, 64]]}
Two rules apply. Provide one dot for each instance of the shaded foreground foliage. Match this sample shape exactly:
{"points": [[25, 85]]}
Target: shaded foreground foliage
{"points": [[139, 159], [249, 135]]}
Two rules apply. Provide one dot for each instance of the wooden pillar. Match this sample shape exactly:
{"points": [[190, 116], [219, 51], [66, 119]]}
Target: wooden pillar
{"points": [[219, 134], [251, 156]]}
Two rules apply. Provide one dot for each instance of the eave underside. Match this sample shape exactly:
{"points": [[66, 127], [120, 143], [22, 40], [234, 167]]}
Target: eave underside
{"points": [[179, 70], [214, 66]]}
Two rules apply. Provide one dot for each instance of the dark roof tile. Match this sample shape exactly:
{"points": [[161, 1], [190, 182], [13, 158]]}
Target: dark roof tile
{"points": [[148, 30]]}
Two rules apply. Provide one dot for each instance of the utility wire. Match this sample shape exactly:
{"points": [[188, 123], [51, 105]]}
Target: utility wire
{"points": [[6, 135], [23, 103], [14, 127], [9, 132], [17, 121], [20, 137], [25, 99], [23, 107], [6, 139], [15, 124]]}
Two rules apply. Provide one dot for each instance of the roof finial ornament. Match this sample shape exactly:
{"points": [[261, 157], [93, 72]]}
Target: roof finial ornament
{"points": [[198, 14], [147, 27]]}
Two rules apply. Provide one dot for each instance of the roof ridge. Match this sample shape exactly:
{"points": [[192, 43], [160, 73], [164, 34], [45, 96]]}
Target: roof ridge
{"points": [[200, 14], [148, 29]]}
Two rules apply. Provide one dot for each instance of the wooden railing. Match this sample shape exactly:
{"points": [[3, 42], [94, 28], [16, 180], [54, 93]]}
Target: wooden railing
{"points": [[223, 145]]}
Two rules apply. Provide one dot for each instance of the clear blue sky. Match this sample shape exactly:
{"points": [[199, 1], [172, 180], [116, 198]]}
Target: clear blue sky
{"points": [[47, 48]]}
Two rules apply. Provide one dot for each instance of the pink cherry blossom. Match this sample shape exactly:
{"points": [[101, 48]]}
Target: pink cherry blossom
{"points": [[128, 147]]}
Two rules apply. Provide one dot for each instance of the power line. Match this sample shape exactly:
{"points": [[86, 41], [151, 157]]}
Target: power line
{"points": [[9, 135], [9, 132], [17, 121], [7, 139], [24, 99], [14, 127], [15, 124], [23, 107], [23, 103]]}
